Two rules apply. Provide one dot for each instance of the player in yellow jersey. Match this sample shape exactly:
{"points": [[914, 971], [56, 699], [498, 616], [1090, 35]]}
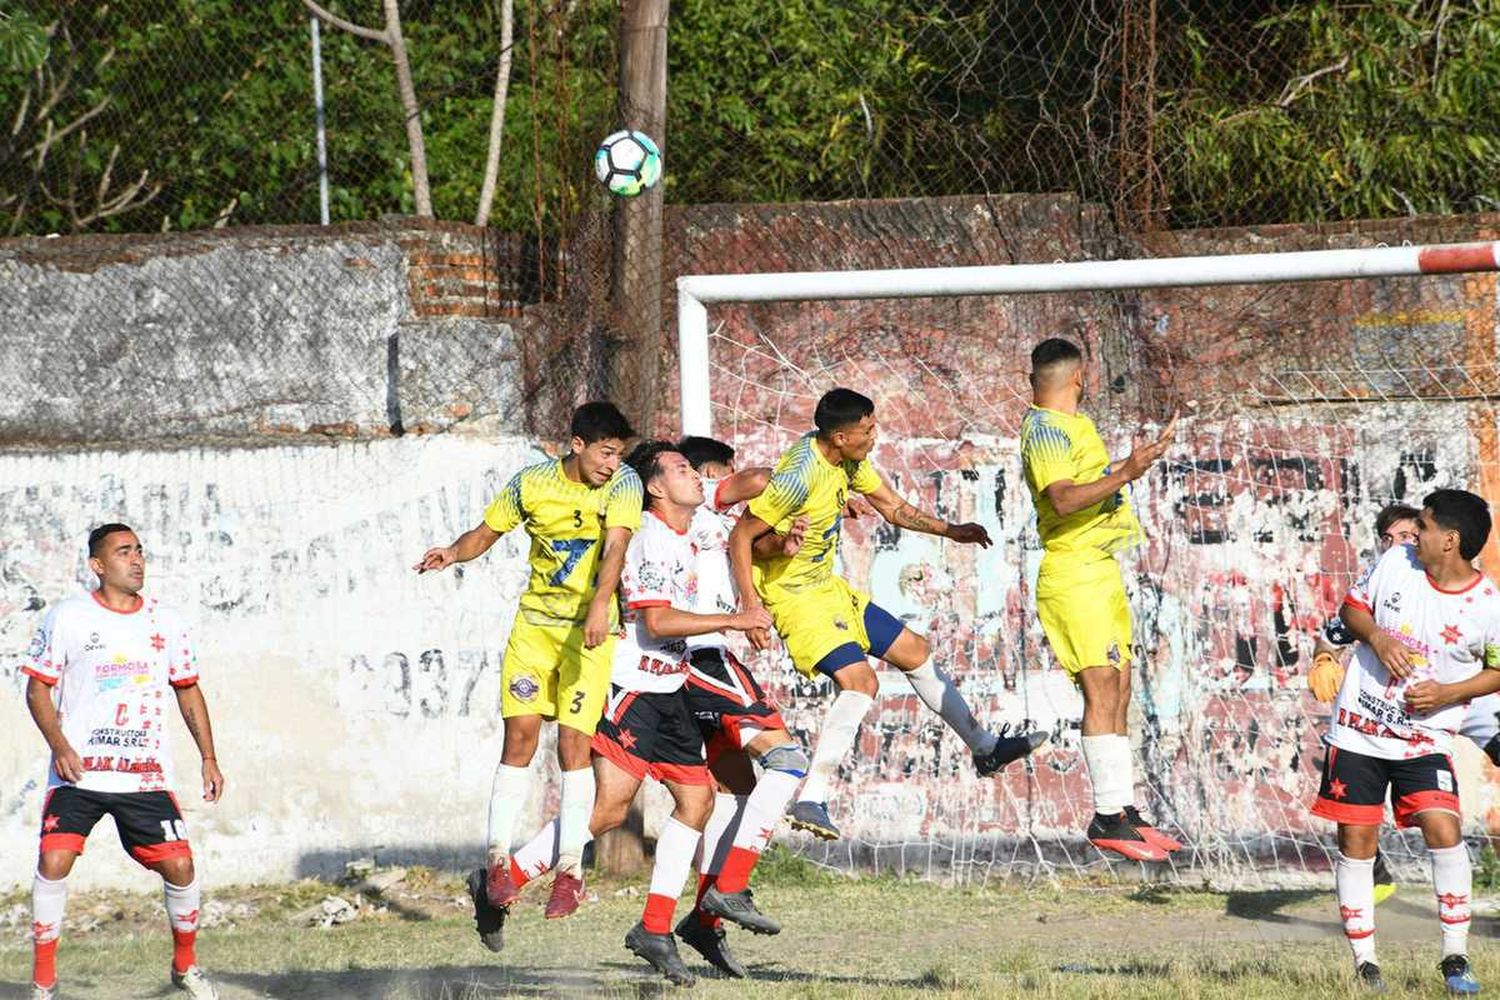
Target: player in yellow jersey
{"points": [[829, 627], [1085, 519], [580, 512]]}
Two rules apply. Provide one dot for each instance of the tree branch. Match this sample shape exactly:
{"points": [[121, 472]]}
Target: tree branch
{"points": [[497, 114], [335, 21]]}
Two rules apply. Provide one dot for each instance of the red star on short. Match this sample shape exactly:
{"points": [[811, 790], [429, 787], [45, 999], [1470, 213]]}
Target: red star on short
{"points": [[627, 739], [49, 824], [1337, 789], [1451, 634], [158, 642], [1452, 899]]}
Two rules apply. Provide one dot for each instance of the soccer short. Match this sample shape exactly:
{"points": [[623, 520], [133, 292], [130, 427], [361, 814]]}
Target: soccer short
{"points": [[731, 708], [150, 825], [818, 620], [1354, 787], [1085, 615], [548, 672], [650, 733]]}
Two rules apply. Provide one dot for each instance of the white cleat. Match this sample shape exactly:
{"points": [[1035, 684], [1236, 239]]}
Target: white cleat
{"points": [[195, 983], [43, 992]]}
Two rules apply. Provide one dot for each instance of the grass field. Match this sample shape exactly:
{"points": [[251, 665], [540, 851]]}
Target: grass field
{"points": [[872, 938]]}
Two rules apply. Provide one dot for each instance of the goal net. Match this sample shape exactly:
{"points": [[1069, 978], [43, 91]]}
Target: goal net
{"points": [[1305, 407]]}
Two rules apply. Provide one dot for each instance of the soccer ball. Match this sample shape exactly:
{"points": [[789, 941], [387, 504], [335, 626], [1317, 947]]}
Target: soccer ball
{"points": [[628, 163]]}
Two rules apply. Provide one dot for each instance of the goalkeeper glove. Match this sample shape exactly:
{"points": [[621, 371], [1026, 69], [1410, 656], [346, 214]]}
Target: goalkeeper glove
{"points": [[1325, 677]]}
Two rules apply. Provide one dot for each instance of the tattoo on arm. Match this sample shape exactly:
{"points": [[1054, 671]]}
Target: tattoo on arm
{"points": [[907, 516]]}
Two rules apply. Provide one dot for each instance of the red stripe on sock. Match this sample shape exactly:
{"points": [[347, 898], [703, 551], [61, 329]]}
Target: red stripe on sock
{"points": [[735, 875], [658, 916], [184, 956], [705, 919], [44, 963], [518, 874]]}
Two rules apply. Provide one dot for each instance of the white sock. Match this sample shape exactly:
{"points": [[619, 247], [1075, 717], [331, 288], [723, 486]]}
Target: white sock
{"points": [[508, 794], [537, 856], [763, 809], [938, 693], [1122, 770], [1355, 881], [674, 862], [1452, 881], [1101, 755], [183, 903], [719, 834], [835, 740], [49, 898], [573, 818]]}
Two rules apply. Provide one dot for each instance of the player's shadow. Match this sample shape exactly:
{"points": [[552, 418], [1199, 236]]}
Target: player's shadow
{"points": [[471, 982], [1266, 907], [773, 972]]}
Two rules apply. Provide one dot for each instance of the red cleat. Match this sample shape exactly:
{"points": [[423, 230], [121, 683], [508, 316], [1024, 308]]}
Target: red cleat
{"points": [[567, 894], [1153, 836], [499, 887], [1116, 833]]}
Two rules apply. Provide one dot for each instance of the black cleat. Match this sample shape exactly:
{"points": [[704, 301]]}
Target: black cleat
{"points": [[1118, 834], [1369, 977], [1006, 750], [710, 943], [660, 950], [738, 908], [813, 817], [1458, 978], [489, 919]]}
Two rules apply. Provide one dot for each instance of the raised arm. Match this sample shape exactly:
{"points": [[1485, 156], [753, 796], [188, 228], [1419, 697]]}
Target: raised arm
{"points": [[903, 515], [194, 708], [470, 545], [747, 484], [66, 762], [1068, 497]]}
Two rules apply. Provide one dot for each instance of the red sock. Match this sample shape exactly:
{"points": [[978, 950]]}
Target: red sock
{"points": [[735, 874], [518, 874], [184, 957], [44, 963], [658, 916], [705, 919]]}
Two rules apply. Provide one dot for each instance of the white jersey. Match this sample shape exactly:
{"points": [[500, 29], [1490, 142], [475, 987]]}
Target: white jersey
{"points": [[1451, 636], [112, 672], [712, 524], [661, 570]]}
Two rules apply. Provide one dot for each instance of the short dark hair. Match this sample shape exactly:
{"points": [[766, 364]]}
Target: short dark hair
{"points": [[1390, 514], [839, 408], [702, 450], [1463, 512], [99, 534], [645, 459], [1052, 351], [600, 421]]}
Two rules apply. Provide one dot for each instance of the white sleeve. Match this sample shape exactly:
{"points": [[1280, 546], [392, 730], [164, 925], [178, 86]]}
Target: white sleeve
{"points": [[45, 657], [646, 580]]}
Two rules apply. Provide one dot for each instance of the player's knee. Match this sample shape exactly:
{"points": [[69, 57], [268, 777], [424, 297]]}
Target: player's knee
{"points": [[859, 678], [55, 865], [788, 758], [694, 810], [607, 816], [178, 870]]}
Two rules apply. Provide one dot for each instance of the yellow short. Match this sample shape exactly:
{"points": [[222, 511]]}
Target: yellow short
{"points": [[548, 672], [1085, 615], [816, 621]]}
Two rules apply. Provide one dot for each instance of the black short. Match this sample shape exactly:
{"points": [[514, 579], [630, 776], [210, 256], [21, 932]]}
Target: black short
{"points": [[150, 825], [729, 705], [1355, 785], [651, 733]]}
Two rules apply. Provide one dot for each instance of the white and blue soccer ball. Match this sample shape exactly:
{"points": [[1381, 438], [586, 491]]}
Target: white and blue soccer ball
{"points": [[628, 162]]}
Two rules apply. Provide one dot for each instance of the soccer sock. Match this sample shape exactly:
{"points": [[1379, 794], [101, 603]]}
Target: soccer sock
{"points": [[1101, 755], [182, 914], [718, 835], [938, 693], [763, 808], [674, 862], [1122, 770], [48, 899], [835, 739], [536, 857], [507, 799], [573, 819], [1355, 881], [1452, 881]]}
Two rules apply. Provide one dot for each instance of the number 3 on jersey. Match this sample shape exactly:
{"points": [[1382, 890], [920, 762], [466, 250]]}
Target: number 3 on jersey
{"points": [[573, 549]]}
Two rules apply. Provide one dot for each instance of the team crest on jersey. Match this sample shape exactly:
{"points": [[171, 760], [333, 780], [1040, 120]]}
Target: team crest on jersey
{"points": [[841, 625], [524, 688], [38, 644], [1113, 654]]}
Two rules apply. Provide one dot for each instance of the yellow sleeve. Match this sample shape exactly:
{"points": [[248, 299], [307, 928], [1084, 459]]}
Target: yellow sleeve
{"points": [[622, 505], [507, 509], [1047, 456], [784, 496], [864, 478]]}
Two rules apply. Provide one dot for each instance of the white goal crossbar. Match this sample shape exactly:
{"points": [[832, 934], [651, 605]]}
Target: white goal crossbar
{"points": [[696, 292]]}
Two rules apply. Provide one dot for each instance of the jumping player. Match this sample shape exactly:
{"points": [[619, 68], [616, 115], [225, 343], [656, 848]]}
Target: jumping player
{"points": [[557, 661], [1428, 627], [1084, 519], [110, 659], [829, 627]]}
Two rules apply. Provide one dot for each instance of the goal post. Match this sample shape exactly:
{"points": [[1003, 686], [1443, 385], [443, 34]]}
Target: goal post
{"points": [[696, 292]]}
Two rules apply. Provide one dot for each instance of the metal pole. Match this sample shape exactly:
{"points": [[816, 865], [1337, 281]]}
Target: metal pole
{"points": [[317, 61]]}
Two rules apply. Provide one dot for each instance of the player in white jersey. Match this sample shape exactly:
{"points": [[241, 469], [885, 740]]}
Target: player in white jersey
{"points": [[647, 729], [101, 668], [1428, 626]]}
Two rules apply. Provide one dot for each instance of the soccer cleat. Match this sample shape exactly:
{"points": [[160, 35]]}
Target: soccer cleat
{"points": [[1116, 833], [43, 992], [567, 895], [738, 908], [1492, 750], [1150, 832], [1368, 974], [1458, 977], [813, 817], [1006, 750], [1385, 885], [194, 983], [711, 944], [498, 885], [489, 920], [660, 950]]}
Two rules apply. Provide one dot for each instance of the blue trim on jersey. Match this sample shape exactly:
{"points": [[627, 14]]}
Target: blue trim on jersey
{"points": [[882, 627]]}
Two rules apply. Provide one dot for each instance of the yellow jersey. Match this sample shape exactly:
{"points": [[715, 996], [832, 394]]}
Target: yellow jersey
{"points": [[806, 483], [565, 520], [1057, 446]]}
